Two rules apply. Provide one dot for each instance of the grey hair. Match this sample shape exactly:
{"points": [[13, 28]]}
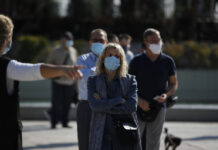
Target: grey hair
{"points": [[150, 31]]}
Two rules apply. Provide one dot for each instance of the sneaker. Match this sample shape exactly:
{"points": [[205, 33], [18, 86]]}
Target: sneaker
{"points": [[47, 114]]}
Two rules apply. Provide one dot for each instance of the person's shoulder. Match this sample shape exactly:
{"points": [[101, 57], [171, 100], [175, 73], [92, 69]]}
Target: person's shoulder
{"points": [[137, 58], [130, 76], [56, 50], [167, 57], [4, 58], [73, 49], [85, 56], [129, 52]]}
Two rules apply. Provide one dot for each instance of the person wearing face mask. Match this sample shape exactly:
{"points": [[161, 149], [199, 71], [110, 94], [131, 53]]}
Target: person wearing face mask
{"points": [[98, 40], [156, 77], [62, 87], [12, 71], [125, 41], [112, 95]]}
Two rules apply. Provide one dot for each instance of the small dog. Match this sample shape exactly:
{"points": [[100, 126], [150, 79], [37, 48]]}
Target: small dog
{"points": [[171, 140]]}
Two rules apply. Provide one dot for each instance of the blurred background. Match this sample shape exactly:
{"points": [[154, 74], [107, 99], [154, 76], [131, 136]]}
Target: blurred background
{"points": [[189, 29]]}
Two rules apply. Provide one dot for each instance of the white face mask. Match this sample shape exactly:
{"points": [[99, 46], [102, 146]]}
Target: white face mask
{"points": [[156, 48]]}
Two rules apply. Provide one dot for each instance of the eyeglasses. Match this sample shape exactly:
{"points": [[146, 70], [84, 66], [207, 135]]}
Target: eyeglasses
{"points": [[98, 40]]}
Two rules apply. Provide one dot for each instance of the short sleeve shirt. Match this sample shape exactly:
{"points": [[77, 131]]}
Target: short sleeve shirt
{"points": [[152, 76]]}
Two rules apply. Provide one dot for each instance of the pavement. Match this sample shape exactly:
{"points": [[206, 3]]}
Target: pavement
{"points": [[37, 135]]}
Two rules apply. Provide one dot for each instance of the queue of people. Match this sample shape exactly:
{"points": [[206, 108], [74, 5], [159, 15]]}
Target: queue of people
{"points": [[121, 98]]}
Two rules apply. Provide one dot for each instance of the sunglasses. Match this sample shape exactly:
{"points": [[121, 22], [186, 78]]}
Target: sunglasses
{"points": [[98, 40]]}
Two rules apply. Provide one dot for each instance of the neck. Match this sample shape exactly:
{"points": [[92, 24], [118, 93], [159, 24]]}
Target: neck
{"points": [[152, 56], [110, 75]]}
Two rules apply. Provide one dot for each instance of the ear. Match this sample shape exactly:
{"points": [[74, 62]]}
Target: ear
{"points": [[146, 44], [90, 44]]}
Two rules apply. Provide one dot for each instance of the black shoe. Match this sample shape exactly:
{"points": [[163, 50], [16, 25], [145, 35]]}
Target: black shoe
{"points": [[66, 126], [53, 126]]}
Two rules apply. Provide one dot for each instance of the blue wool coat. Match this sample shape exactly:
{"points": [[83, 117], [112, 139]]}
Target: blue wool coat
{"points": [[110, 106]]}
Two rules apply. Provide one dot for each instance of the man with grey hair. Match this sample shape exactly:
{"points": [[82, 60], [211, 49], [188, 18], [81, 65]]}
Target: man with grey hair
{"points": [[156, 77]]}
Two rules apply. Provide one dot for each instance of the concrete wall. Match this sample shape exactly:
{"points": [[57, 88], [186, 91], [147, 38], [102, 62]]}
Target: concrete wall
{"points": [[198, 86]]}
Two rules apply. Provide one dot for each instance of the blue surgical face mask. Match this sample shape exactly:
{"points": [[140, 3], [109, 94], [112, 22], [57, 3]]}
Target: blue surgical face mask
{"points": [[69, 43], [111, 63], [97, 48], [8, 48]]}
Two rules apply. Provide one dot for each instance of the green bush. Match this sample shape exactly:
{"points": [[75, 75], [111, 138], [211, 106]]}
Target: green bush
{"points": [[193, 54], [32, 48], [175, 50], [80, 45]]}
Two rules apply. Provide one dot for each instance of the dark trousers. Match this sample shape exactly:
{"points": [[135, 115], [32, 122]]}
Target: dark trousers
{"points": [[83, 124], [61, 101], [11, 140]]}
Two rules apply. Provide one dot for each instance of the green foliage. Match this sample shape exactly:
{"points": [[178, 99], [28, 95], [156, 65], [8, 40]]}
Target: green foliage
{"points": [[176, 51], [80, 45], [32, 48], [193, 54], [197, 54]]}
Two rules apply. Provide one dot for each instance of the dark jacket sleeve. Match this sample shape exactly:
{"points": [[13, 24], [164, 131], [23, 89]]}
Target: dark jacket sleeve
{"points": [[131, 99], [102, 105]]}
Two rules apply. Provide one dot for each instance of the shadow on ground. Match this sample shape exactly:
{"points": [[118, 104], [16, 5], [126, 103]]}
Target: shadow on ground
{"points": [[34, 128], [201, 138], [56, 145]]}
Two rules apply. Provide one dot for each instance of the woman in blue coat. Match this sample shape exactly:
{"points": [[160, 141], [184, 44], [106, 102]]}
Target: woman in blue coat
{"points": [[112, 94]]}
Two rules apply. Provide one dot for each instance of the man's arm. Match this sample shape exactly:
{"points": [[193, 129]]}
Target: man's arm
{"points": [[31, 72], [173, 86], [143, 104], [51, 71]]}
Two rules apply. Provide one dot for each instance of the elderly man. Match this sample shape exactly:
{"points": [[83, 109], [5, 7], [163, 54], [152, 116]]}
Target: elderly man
{"points": [[12, 71], [156, 77]]}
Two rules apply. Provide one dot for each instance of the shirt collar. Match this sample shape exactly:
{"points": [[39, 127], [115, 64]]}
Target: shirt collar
{"points": [[94, 57], [157, 60]]}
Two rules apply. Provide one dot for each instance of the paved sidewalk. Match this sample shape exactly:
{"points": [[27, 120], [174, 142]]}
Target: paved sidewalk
{"points": [[196, 136]]}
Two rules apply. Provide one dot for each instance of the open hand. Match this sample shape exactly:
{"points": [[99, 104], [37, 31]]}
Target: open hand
{"points": [[74, 72], [144, 105]]}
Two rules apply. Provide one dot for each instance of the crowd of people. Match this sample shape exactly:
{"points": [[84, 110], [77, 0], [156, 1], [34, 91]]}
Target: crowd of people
{"points": [[121, 97]]}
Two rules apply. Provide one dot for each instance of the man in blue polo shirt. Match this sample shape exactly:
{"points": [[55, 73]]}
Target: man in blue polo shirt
{"points": [[156, 76]]}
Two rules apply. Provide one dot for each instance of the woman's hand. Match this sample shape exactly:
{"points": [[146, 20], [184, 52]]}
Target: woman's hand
{"points": [[96, 96]]}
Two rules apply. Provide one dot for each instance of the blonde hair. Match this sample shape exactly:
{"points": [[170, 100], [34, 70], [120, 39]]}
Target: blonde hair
{"points": [[6, 28], [122, 70]]}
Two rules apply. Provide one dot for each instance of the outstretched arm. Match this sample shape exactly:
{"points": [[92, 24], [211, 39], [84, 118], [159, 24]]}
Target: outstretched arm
{"points": [[31, 72]]}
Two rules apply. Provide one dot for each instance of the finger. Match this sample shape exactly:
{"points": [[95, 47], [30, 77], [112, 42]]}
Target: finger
{"points": [[69, 75], [79, 67]]}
